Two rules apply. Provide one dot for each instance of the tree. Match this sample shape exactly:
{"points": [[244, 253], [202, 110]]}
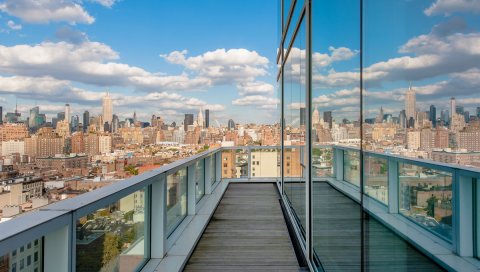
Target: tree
{"points": [[431, 206], [110, 248]]}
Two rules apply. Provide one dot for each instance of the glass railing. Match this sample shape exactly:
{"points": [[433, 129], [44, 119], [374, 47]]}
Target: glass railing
{"points": [[423, 192], [115, 228]]}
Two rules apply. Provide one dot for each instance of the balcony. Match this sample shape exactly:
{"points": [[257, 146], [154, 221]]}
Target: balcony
{"points": [[228, 209]]}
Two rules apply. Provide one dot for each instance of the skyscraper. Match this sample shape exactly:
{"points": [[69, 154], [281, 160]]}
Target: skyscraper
{"points": [[433, 115], [60, 116], [303, 111], [86, 120], [32, 120], [207, 118], [200, 118], [68, 113], [107, 108], [453, 107], [327, 118], [402, 119], [231, 124], [1, 115], [478, 112], [187, 121], [410, 103], [315, 117]]}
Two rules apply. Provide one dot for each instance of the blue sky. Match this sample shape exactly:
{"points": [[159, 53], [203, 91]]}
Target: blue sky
{"points": [[156, 57]]}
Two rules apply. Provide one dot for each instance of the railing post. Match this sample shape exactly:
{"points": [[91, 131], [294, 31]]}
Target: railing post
{"points": [[392, 186], [191, 189], [159, 217], [57, 252], [338, 153], [463, 215], [208, 174]]}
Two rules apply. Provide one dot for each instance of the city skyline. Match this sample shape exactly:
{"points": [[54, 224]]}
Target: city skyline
{"points": [[168, 76]]}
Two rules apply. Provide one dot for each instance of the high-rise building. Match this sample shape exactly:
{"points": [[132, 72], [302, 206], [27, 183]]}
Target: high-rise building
{"points": [[188, 121], [231, 124], [315, 117], [327, 118], [68, 113], [410, 103], [1, 115], [207, 118], [33, 117], [60, 116], [453, 108], [86, 120], [433, 115], [200, 121], [303, 112], [115, 123], [478, 112], [107, 109], [402, 119]]}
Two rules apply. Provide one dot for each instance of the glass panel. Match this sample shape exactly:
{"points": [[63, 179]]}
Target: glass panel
{"points": [[351, 167], [376, 178], [213, 169], [25, 258], [176, 199], [322, 161], [235, 164], [425, 197], [294, 124], [113, 238], [199, 179], [335, 120], [265, 163]]}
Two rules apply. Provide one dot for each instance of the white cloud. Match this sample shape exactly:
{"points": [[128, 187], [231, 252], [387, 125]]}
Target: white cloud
{"points": [[223, 66], [259, 101], [90, 63], [61, 91], [448, 7], [255, 88], [105, 3], [46, 11], [12, 25]]}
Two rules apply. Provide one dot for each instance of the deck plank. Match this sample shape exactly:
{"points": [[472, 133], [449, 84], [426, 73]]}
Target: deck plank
{"points": [[246, 233]]}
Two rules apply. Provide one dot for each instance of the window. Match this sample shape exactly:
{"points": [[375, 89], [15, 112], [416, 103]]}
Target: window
{"points": [[29, 260], [35, 257]]}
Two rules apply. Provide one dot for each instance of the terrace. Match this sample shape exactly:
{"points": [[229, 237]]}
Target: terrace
{"points": [[192, 215]]}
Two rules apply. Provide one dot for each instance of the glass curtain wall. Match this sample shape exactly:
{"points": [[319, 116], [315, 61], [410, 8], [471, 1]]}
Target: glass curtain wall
{"points": [[379, 95]]}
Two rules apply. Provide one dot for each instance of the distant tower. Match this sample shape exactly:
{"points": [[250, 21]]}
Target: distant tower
{"points": [[200, 118], [107, 109], [86, 121], [379, 118], [453, 106], [433, 115], [134, 117], [315, 116], [68, 113], [207, 118], [231, 124], [410, 103], [187, 121]]}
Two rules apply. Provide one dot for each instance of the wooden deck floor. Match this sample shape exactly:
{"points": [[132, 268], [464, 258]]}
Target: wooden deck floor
{"points": [[337, 235], [246, 233]]}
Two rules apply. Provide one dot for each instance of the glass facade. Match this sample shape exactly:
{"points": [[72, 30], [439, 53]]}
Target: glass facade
{"points": [[378, 112]]}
